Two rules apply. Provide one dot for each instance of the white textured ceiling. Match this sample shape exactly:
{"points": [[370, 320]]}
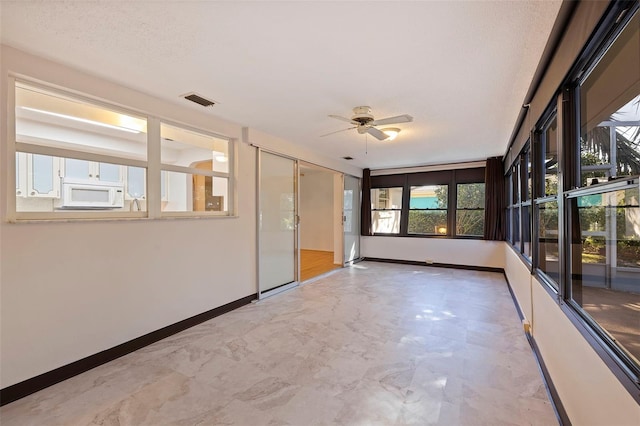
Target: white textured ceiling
{"points": [[461, 69]]}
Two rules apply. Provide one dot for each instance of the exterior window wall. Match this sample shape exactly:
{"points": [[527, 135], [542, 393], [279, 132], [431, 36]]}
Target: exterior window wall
{"points": [[579, 187], [429, 204]]}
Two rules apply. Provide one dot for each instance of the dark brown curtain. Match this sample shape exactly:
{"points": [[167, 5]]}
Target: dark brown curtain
{"points": [[365, 209], [494, 205]]}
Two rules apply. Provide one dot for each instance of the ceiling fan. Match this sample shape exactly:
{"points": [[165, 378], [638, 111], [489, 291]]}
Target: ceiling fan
{"points": [[364, 122]]}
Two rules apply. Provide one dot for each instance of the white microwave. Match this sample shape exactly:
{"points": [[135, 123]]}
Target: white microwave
{"points": [[91, 196]]}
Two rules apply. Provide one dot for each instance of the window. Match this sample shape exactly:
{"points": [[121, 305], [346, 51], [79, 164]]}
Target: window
{"points": [[429, 204], [73, 156], [548, 227], [527, 194], [197, 171], [605, 262], [78, 158], [470, 209], [547, 242], [609, 110], [519, 211], [386, 210], [584, 211], [550, 157], [604, 210], [428, 210]]}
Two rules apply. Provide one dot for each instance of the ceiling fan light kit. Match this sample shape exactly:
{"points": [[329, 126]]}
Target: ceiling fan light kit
{"points": [[364, 122], [391, 132]]}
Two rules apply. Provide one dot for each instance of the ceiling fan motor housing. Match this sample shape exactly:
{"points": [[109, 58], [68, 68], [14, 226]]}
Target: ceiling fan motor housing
{"points": [[362, 115]]}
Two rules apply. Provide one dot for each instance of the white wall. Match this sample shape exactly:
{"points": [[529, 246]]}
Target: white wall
{"points": [[590, 393], [71, 289], [316, 210], [437, 250], [281, 146], [520, 281]]}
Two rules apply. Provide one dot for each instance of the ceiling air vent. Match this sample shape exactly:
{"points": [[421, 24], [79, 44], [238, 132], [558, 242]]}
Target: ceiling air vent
{"points": [[194, 97]]}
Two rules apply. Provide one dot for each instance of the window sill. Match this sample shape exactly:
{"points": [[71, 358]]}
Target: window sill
{"points": [[449, 237]]}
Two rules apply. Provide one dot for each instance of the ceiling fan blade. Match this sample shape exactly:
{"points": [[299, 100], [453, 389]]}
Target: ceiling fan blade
{"points": [[378, 134], [404, 118], [338, 131], [348, 120]]}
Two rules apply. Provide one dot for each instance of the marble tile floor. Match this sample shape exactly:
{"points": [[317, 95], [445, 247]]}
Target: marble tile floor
{"points": [[374, 344]]}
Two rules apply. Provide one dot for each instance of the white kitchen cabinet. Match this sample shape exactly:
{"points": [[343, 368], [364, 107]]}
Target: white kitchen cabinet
{"points": [[37, 176]]}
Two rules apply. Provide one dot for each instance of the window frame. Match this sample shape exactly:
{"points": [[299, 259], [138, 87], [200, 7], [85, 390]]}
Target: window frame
{"points": [[151, 164], [437, 177], [166, 168], [541, 198], [446, 210], [567, 102], [468, 209], [614, 22], [402, 189]]}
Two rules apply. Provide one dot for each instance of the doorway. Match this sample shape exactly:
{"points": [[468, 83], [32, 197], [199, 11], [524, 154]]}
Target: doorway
{"points": [[320, 209]]}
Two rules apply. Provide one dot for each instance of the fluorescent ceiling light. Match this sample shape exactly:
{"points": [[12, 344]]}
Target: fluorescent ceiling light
{"points": [[81, 120]]}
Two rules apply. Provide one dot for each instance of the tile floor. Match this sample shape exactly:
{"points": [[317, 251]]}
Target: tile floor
{"points": [[375, 344]]}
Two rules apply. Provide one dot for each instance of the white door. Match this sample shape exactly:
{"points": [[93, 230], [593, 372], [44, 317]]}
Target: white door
{"points": [[277, 224], [351, 218]]}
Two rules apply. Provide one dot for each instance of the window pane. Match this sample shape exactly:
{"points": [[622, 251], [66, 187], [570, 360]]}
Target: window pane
{"points": [[186, 148], [431, 222], [529, 188], [470, 196], [610, 111], [386, 198], [470, 222], [605, 265], [187, 192], [51, 119], [509, 230], [548, 256], [526, 231], [515, 185], [429, 197], [551, 159], [385, 221], [136, 182], [73, 189], [516, 227], [386, 205]]}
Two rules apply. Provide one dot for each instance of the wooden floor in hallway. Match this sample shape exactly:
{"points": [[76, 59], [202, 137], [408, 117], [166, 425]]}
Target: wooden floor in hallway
{"points": [[315, 262]]}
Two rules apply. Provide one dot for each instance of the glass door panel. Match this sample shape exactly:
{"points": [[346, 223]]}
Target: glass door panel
{"points": [[76, 169], [277, 223], [351, 218], [108, 172]]}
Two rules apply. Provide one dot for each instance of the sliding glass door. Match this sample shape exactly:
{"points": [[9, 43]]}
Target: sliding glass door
{"points": [[351, 218], [277, 224]]}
